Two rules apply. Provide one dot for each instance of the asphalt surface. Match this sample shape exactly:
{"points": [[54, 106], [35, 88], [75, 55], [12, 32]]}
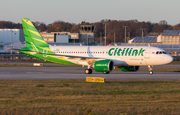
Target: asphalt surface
{"points": [[63, 72]]}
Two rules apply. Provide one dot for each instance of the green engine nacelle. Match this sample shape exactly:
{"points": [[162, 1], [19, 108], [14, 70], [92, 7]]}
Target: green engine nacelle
{"points": [[104, 66], [130, 68]]}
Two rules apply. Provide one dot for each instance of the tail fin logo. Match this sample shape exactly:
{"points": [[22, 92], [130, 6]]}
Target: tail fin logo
{"points": [[45, 52]]}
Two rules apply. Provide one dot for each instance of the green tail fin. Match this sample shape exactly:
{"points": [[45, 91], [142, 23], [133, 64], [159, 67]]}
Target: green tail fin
{"points": [[33, 38]]}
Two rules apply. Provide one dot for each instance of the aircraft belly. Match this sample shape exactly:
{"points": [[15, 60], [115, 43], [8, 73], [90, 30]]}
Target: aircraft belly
{"points": [[80, 62], [139, 61]]}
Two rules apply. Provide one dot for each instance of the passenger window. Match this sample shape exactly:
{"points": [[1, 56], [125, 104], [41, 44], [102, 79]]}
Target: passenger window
{"points": [[160, 52]]}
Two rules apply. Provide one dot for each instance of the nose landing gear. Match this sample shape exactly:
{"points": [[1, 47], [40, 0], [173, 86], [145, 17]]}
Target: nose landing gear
{"points": [[150, 70]]}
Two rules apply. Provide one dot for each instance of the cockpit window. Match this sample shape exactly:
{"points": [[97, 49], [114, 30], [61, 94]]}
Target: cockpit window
{"points": [[161, 52], [164, 53]]}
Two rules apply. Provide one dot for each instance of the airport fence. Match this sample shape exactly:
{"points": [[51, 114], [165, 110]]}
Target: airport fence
{"points": [[17, 57], [176, 58]]}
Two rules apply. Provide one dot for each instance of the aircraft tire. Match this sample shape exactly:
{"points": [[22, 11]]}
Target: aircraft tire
{"points": [[88, 71], [150, 72]]}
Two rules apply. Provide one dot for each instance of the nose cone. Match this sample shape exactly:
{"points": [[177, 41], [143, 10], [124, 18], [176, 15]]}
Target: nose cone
{"points": [[169, 59]]}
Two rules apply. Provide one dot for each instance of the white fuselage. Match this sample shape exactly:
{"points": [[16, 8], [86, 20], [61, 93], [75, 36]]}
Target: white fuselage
{"points": [[120, 55]]}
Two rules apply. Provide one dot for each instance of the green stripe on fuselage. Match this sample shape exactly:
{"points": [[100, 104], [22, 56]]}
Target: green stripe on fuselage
{"points": [[49, 58]]}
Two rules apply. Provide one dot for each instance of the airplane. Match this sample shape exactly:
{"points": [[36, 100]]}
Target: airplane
{"points": [[100, 58]]}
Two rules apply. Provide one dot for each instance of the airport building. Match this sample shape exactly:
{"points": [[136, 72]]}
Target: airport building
{"points": [[8, 35], [60, 37], [86, 36], [11, 36], [171, 37]]}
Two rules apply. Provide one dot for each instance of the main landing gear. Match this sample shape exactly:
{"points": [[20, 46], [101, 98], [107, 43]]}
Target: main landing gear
{"points": [[88, 71], [150, 70]]}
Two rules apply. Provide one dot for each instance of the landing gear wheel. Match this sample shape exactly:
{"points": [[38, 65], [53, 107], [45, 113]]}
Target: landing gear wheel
{"points": [[151, 72], [88, 71], [106, 72]]}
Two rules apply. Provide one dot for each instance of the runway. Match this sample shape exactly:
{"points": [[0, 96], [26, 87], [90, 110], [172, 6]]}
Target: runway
{"points": [[63, 72]]}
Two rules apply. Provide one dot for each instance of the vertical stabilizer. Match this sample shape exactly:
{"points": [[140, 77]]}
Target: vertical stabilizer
{"points": [[33, 38]]}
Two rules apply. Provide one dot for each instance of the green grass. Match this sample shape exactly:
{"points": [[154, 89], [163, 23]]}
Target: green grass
{"points": [[155, 97]]}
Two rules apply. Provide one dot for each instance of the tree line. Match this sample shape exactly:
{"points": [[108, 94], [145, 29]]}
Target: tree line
{"points": [[114, 28]]}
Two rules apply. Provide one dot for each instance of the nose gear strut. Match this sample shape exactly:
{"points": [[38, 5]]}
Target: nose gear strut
{"points": [[150, 70]]}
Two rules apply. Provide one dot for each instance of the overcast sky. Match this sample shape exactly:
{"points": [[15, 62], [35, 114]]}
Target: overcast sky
{"points": [[75, 11]]}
